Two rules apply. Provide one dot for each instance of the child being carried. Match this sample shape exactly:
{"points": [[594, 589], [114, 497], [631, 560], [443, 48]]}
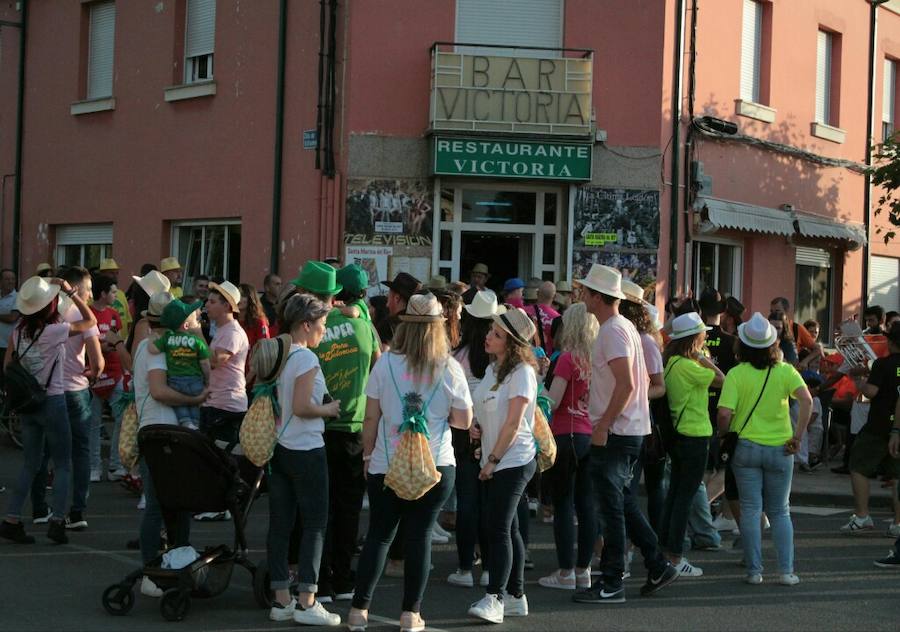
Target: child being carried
{"points": [[187, 356]]}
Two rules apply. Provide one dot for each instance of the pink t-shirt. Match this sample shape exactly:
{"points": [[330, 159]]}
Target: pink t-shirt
{"points": [[227, 385], [652, 355], [47, 354], [548, 315], [619, 339], [571, 416], [74, 378]]}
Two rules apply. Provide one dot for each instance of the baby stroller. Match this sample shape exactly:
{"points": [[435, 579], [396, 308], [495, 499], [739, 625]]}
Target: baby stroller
{"points": [[191, 474]]}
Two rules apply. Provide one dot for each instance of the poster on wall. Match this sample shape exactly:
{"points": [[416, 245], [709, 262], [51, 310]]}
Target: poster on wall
{"points": [[618, 228], [374, 260], [397, 207]]}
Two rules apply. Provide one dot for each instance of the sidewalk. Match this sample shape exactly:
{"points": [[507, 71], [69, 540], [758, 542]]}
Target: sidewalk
{"points": [[823, 487]]}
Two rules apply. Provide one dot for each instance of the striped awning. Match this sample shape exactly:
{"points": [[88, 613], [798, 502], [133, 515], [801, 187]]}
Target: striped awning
{"points": [[823, 227], [740, 216]]}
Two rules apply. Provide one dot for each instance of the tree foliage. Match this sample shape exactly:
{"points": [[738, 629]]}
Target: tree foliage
{"points": [[886, 174]]}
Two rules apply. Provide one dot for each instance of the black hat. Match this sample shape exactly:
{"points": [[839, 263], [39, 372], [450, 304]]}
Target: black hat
{"points": [[711, 301], [734, 307], [404, 284]]}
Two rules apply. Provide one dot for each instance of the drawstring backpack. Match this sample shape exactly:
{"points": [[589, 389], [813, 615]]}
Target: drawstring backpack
{"points": [[543, 435], [128, 432], [258, 429], [412, 472]]}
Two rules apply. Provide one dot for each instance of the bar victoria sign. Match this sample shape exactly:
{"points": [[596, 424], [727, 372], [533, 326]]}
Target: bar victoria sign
{"points": [[534, 160]]}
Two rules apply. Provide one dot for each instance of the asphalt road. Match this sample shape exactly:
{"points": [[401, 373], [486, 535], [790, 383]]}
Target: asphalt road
{"points": [[48, 587]]}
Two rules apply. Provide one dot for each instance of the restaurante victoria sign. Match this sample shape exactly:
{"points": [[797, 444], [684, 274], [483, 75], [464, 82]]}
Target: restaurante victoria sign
{"points": [[512, 159]]}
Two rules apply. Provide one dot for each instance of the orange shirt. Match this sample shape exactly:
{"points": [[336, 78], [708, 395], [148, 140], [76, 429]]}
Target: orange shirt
{"points": [[803, 338]]}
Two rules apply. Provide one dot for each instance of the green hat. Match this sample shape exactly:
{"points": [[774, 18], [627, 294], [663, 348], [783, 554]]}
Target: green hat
{"points": [[353, 278], [176, 312], [318, 278]]}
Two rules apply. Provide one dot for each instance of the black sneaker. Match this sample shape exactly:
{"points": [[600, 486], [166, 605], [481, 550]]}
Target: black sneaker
{"points": [[15, 532], [41, 516], [655, 581], [57, 532], [891, 561], [75, 521], [600, 594]]}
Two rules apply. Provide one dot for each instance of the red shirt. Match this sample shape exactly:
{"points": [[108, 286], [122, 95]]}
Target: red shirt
{"points": [[108, 319], [571, 416], [255, 334], [548, 315]]}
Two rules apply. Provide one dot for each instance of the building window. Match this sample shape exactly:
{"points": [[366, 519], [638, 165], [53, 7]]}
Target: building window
{"points": [[199, 40], [536, 23], [827, 78], [210, 248], [83, 244], [884, 287], [889, 98], [754, 39], [718, 266], [813, 300], [101, 41]]}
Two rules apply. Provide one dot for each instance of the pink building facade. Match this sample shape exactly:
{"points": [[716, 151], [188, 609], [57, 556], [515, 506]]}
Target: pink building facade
{"points": [[536, 137]]}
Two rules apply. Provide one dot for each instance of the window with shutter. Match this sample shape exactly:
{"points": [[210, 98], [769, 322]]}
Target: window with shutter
{"points": [[200, 39], [101, 38], [889, 98], [500, 22], [814, 282], [884, 288], [823, 77], [83, 244], [751, 51]]}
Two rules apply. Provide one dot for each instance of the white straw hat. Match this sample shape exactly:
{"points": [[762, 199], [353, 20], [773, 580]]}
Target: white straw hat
{"points": [[157, 304], [35, 294], [229, 291], [757, 332], [485, 305], [633, 292], [422, 308], [603, 279], [653, 312], [689, 324], [153, 282], [517, 324]]}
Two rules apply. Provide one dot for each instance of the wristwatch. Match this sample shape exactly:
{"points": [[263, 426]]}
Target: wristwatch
{"points": [[493, 459]]}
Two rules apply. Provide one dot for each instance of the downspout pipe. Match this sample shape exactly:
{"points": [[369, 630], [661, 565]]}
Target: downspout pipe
{"points": [[675, 178], [870, 134], [279, 139], [20, 126]]}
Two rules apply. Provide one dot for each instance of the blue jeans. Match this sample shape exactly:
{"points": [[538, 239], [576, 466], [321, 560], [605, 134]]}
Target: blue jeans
{"points": [[763, 475], [612, 468], [78, 404], [298, 482], [97, 421], [187, 385], [572, 495], [49, 424], [503, 494], [178, 530], [700, 522]]}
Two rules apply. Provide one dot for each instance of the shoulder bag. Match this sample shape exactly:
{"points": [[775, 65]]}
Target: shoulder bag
{"points": [[24, 394], [729, 441]]}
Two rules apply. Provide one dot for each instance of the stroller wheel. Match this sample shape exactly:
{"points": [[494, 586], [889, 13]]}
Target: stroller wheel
{"points": [[118, 599], [261, 590], [175, 604]]}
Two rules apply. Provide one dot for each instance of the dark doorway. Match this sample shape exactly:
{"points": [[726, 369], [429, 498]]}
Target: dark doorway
{"points": [[502, 253]]}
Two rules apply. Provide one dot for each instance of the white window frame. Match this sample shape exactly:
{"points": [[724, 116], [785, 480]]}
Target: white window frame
{"points": [[824, 69], [105, 252], [737, 263], [751, 51], [889, 98], [203, 224], [826, 328], [194, 60], [94, 88]]}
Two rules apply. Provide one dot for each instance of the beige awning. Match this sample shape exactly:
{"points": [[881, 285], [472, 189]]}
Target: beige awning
{"points": [[740, 216], [813, 226]]}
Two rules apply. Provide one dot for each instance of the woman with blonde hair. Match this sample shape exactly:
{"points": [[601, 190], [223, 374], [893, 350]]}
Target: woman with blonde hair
{"points": [[570, 480], [505, 406], [418, 378]]}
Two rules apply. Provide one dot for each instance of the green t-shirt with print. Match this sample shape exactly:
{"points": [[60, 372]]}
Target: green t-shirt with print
{"points": [[345, 355], [184, 351], [360, 304], [687, 387], [771, 420]]}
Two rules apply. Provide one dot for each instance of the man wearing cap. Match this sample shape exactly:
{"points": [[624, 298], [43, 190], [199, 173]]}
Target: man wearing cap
{"points": [[543, 314], [109, 268], [172, 269], [513, 292], [222, 412], [347, 352], [8, 313], [400, 290], [620, 414], [478, 279]]}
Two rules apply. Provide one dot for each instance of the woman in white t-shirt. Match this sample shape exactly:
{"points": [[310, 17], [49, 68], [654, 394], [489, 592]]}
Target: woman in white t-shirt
{"points": [[504, 404], [418, 377], [298, 480], [39, 342]]}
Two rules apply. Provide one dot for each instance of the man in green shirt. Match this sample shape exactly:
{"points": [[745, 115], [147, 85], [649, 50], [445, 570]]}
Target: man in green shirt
{"points": [[347, 351]]}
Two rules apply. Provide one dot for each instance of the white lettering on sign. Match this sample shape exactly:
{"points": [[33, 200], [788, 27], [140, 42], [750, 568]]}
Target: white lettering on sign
{"points": [[508, 167]]}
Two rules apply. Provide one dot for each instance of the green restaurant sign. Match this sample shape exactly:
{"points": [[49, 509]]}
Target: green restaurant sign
{"points": [[532, 160]]}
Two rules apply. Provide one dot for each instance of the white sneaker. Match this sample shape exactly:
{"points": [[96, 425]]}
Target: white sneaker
{"points": [[788, 580], [213, 516], [686, 569], [766, 525], [559, 582], [754, 580], [437, 538], [282, 613], [489, 609], [485, 579], [95, 476], [116, 475], [315, 615], [515, 607], [149, 589], [42, 519], [142, 503], [583, 580], [858, 524], [721, 523], [629, 558], [893, 531], [461, 578], [441, 531]]}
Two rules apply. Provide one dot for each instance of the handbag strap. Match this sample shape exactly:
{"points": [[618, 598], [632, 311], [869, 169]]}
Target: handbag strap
{"points": [[683, 408], [540, 325], [752, 410], [19, 356]]}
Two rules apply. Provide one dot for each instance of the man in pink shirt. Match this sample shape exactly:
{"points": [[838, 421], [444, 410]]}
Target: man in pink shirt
{"points": [[620, 415], [543, 314]]}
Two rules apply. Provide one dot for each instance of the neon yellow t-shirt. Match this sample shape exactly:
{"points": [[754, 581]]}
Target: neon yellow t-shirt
{"points": [[687, 387], [771, 422]]}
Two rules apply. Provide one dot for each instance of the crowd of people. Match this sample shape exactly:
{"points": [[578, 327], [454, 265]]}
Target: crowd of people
{"points": [[707, 403]]}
